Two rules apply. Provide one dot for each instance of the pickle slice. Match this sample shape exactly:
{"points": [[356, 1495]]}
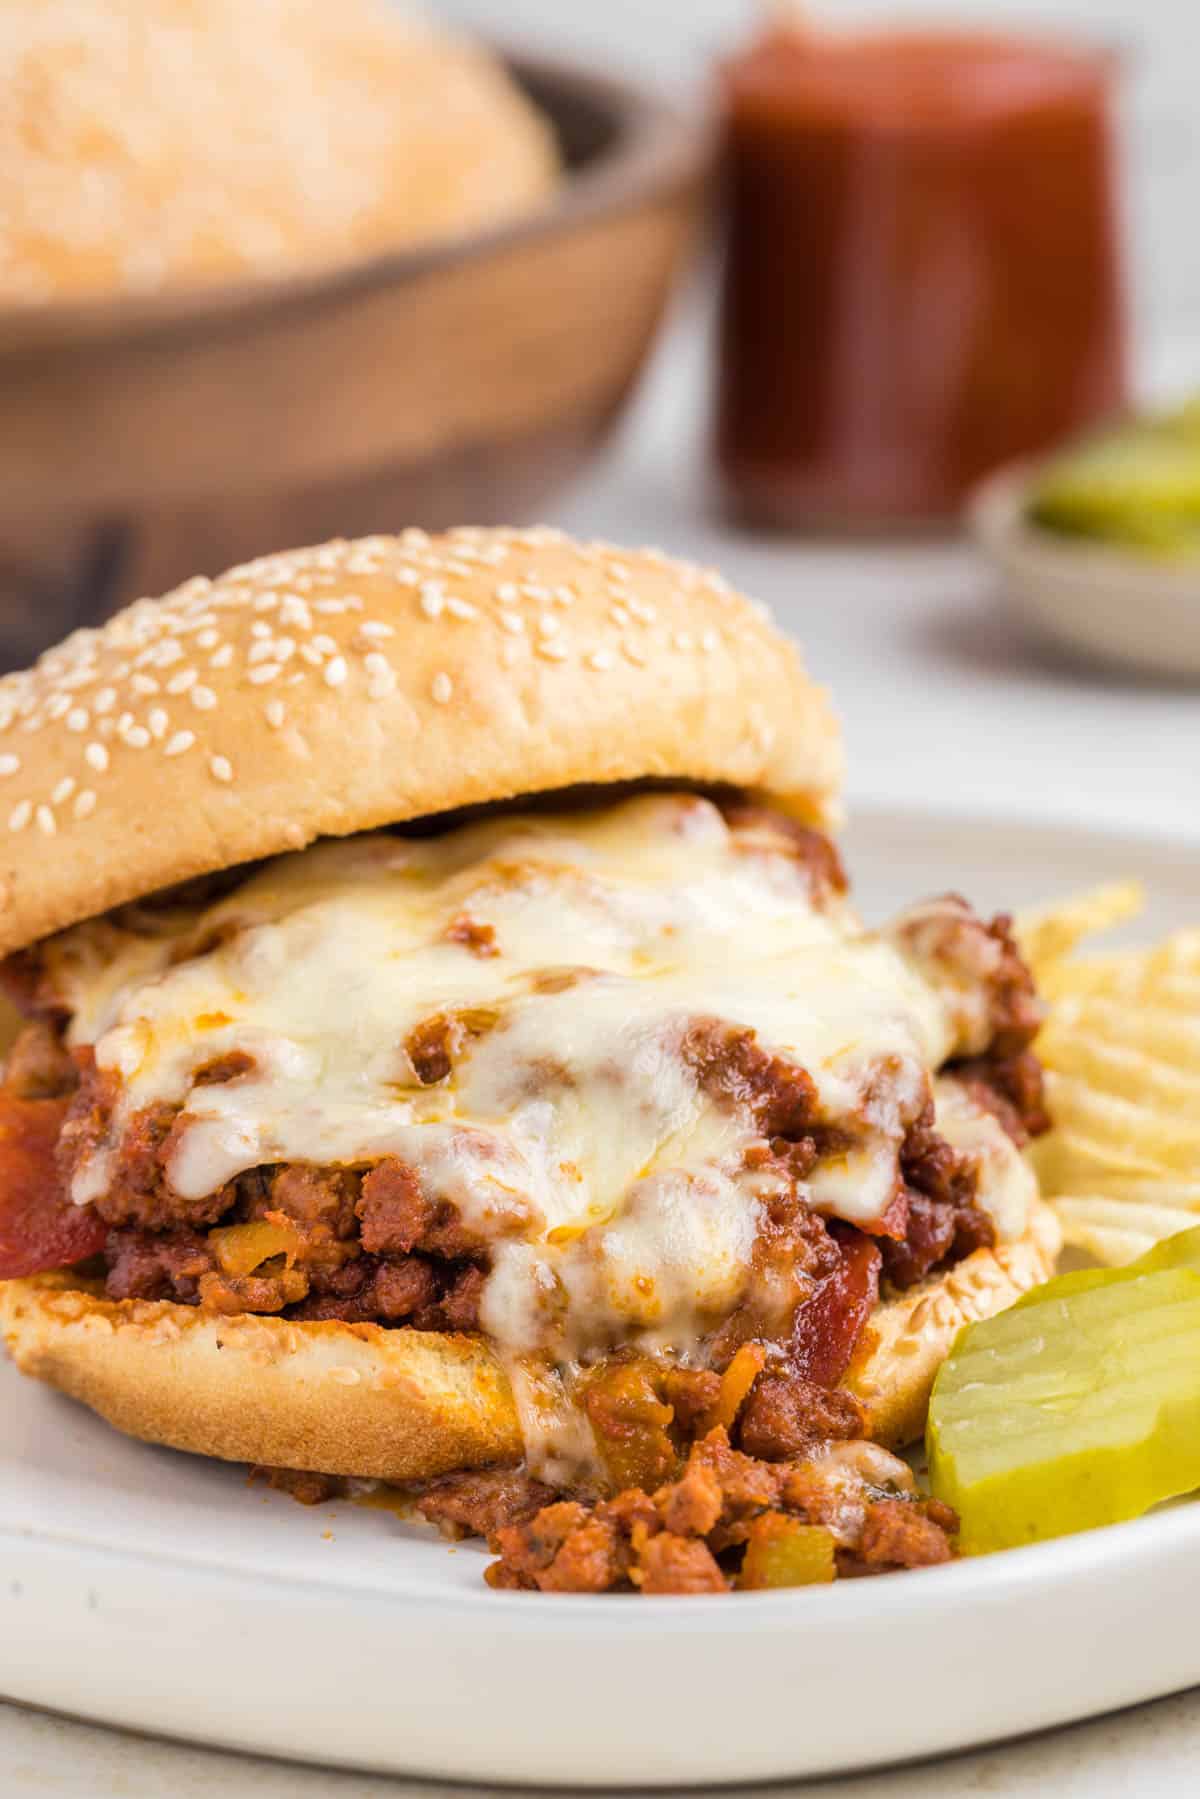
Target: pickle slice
{"points": [[1139, 487], [1081, 1410], [1180, 1251]]}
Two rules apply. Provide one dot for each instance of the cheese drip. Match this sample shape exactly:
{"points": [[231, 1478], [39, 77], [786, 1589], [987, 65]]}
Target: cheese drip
{"points": [[572, 955]]}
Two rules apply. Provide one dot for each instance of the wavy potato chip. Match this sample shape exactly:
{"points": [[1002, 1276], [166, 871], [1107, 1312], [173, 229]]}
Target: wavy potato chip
{"points": [[1121, 1049]]}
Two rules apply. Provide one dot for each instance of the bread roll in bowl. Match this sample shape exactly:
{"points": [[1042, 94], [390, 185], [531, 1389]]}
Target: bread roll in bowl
{"points": [[169, 144]]}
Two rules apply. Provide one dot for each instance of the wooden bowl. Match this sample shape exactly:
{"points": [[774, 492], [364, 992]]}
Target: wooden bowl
{"points": [[146, 440]]}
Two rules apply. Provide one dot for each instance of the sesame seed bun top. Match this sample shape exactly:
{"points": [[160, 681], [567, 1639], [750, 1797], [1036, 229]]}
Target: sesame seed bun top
{"points": [[334, 689], [153, 143]]}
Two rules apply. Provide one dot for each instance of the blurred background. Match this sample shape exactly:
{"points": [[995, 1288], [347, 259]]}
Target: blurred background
{"points": [[675, 42], [892, 311]]}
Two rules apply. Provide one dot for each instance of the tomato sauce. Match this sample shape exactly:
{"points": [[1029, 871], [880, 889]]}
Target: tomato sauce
{"points": [[39, 1226], [923, 268]]}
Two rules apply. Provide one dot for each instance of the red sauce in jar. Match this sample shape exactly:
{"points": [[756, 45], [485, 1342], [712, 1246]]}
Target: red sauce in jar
{"points": [[923, 273]]}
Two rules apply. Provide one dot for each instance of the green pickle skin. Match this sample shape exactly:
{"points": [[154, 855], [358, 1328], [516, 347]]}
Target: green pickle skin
{"points": [[1137, 486], [1077, 1407]]}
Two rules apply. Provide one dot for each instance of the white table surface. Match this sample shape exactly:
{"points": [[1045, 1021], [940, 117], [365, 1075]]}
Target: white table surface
{"points": [[945, 701]]}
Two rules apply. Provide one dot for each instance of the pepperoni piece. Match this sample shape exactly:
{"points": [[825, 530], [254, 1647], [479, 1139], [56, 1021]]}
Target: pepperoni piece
{"points": [[39, 1226], [827, 1326]]}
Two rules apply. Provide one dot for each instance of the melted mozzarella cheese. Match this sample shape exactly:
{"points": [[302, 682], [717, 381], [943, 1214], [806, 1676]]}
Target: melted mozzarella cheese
{"points": [[571, 1131]]}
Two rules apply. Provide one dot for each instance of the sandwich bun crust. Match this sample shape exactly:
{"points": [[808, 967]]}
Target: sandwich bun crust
{"points": [[352, 685], [404, 1405]]}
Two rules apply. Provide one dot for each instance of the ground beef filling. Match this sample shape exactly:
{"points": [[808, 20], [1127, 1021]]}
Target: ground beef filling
{"points": [[368, 1246], [805, 1499], [809, 1505], [728, 1521]]}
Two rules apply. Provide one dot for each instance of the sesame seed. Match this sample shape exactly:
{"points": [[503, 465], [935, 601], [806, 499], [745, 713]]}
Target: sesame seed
{"points": [[266, 671], [565, 596], [619, 616], [105, 700], [9, 764], [548, 625], [221, 658], [220, 768], [203, 698], [375, 629], [601, 659], [85, 803], [509, 653], [63, 791], [208, 639], [633, 653], [432, 599], [45, 821], [167, 652], [144, 684], [508, 593], [136, 736], [275, 714], [512, 622], [262, 651], [157, 722], [56, 705], [78, 719], [182, 681], [261, 629], [106, 727], [442, 687], [461, 608], [708, 640], [335, 672], [311, 655], [20, 815], [684, 640], [96, 756], [330, 605], [553, 649], [295, 612], [182, 740], [325, 644]]}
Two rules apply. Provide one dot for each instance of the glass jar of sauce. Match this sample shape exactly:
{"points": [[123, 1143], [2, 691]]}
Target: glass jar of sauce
{"points": [[922, 276]]}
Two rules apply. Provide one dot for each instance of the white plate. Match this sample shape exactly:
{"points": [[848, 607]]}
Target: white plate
{"points": [[1096, 600], [147, 1589]]}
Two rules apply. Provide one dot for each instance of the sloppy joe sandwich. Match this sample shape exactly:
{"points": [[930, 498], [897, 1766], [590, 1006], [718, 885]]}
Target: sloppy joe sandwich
{"points": [[451, 1056]]}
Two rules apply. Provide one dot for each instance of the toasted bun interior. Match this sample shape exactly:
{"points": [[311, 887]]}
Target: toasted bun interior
{"points": [[402, 1405], [331, 690]]}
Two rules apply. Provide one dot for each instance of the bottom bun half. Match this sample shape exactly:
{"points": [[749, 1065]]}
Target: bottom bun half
{"points": [[400, 1404]]}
